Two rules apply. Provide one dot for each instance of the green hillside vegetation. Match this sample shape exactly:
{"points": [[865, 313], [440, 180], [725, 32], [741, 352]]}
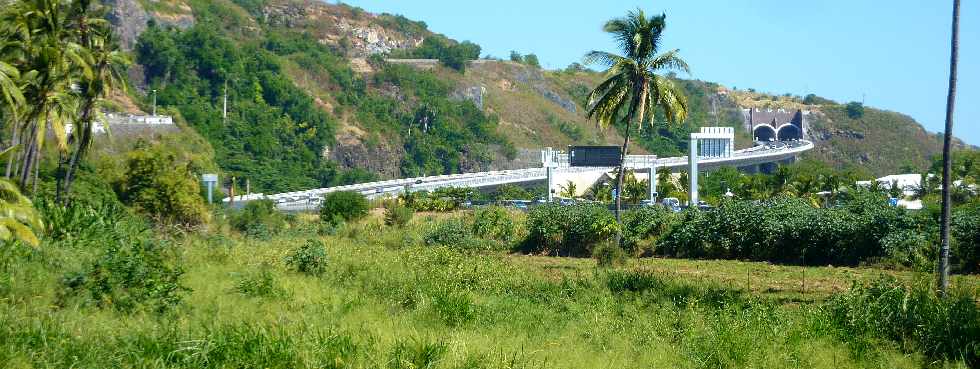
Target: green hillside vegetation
{"points": [[372, 295], [876, 139], [275, 132]]}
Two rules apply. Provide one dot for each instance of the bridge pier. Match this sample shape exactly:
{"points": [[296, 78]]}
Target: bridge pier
{"points": [[692, 174], [549, 170], [653, 183]]}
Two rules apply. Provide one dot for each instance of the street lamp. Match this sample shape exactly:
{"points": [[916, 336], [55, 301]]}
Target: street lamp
{"points": [[154, 102]]}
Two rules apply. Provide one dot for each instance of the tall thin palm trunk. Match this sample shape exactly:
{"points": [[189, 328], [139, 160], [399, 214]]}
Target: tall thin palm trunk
{"points": [[947, 159], [14, 141], [622, 171]]}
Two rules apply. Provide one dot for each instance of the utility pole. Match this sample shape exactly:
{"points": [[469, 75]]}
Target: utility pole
{"points": [[224, 108]]}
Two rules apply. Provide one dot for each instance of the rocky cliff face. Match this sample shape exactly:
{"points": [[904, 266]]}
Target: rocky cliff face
{"points": [[129, 20], [130, 17], [359, 33]]}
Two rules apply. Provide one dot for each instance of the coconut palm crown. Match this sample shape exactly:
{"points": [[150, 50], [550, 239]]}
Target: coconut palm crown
{"points": [[632, 85]]}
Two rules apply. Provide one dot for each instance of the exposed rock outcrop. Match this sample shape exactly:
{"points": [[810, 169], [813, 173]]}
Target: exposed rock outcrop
{"points": [[470, 93], [129, 19]]}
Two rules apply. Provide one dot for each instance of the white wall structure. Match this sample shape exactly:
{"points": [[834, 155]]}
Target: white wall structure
{"points": [[711, 142], [123, 120]]}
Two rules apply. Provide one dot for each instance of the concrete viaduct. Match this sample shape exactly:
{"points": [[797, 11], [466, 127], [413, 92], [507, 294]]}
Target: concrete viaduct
{"points": [[711, 148]]}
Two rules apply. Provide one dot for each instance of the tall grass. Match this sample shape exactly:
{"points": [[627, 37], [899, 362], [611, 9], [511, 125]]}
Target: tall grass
{"points": [[413, 306]]}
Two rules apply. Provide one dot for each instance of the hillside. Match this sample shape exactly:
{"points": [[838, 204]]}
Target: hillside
{"points": [[312, 101]]}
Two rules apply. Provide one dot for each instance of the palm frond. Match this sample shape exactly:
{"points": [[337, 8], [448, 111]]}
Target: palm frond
{"points": [[603, 58], [670, 60]]}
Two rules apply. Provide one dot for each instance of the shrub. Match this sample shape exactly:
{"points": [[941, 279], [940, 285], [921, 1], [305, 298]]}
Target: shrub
{"points": [[398, 215], [416, 354], [259, 219], [130, 275], [966, 234], [913, 316], [82, 224], [569, 230], [788, 230], [260, 283], [643, 225], [609, 254], [450, 232], [311, 258], [158, 185], [855, 110], [454, 308], [665, 288], [345, 205], [493, 223]]}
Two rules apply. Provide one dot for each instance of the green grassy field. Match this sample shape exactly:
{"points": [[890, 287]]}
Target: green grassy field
{"points": [[386, 300]]}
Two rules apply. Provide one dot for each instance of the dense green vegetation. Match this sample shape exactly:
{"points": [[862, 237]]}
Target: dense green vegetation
{"points": [[344, 206], [432, 294], [450, 53], [275, 132]]}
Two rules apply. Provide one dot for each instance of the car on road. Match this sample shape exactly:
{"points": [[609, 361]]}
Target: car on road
{"points": [[672, 203]]}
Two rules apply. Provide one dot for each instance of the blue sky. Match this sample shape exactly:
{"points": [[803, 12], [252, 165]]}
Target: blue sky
{"points": [[892, 54]]}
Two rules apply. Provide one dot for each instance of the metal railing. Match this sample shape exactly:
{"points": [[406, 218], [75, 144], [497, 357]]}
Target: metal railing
{"points": [[394, 187]]}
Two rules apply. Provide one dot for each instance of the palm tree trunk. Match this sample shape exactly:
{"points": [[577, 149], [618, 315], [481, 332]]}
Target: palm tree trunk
{"points": [[37, 169], [14, 141], [622, 173], [76, 158], [67, 165], [28, 153], [947, 160]]}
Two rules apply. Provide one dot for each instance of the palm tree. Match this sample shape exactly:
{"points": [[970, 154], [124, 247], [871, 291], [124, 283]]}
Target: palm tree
{"points": [[947, 160], [48, 59], [569, 190], [632, 85], [108, 65]]}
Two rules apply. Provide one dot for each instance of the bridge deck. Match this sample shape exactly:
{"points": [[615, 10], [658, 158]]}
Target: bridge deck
{"points": [[309, 199]]}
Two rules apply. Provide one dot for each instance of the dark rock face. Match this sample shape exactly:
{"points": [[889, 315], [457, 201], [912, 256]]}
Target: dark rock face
{"points": [[471, 93], [383, 158], [128, 19]]}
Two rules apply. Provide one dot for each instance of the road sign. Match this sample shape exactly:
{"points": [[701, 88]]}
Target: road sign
{"points": [[594, 156]]}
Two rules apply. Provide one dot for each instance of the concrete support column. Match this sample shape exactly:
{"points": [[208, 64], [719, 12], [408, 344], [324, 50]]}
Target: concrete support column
{"points": [[653, 183], [551, 178], [692, 174]]}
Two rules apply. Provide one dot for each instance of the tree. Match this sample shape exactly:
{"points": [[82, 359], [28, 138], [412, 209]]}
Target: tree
{"points": [[947, 159], [516, 57], [569, 190], [160, 185], [532, 60], [632, 85], [855, 110], [343, 205], [108, 70], [48, 57]]}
